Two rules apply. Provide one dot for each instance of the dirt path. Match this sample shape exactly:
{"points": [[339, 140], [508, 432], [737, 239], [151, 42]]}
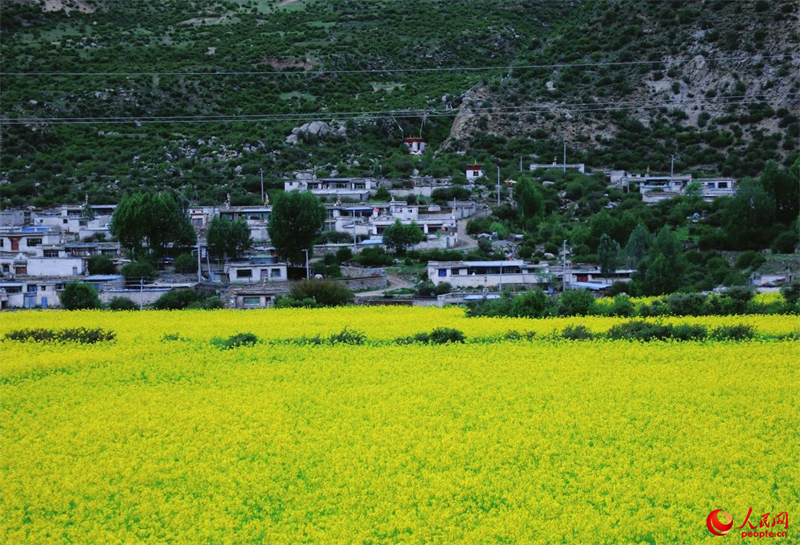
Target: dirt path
{"points": [[395, 283], [466, 241]]}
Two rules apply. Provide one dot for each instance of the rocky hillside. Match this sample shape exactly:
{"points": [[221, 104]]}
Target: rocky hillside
{"points": [[101, 96], [716, 82]]}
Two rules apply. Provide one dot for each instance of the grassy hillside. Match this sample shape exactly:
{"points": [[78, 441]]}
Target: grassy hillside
{"points": [[103, 96]]}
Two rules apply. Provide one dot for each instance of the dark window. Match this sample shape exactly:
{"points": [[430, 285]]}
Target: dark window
{"points": [[51, 253], [244, 273], [34, 242], [32, 288], [442, 272]]}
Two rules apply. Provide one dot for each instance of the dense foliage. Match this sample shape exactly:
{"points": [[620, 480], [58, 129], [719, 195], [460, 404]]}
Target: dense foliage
{"points": [[149, 63]]}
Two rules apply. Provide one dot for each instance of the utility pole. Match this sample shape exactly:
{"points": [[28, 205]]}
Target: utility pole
{"points": [[355, 244], [261, 170], [141, 292], [564, 267], [308, 275], [520, 163], [199, 264], [672, 167], [565, 156], [498, 186]]}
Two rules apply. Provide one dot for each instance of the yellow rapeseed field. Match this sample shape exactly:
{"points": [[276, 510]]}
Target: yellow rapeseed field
{"points": [[150, 440]]}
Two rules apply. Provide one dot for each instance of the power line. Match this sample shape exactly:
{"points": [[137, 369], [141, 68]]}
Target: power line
{"points": [[344, 118], [504, 67], [360, 115]]}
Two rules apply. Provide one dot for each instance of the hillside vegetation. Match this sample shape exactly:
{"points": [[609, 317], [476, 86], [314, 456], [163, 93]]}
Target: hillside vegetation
{"points": [[101, 97]]}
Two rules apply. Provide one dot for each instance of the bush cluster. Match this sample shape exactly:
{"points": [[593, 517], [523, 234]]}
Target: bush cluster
{"points": [[345, 336], [733, 301], [315, 294], [234, 341], [187, 299], [440, 335], [79, 335], [643, 331]]}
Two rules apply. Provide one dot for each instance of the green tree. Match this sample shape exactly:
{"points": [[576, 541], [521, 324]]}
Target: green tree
{"points": [[137, 271], [297, 220], [608, 255], [382, 194], [101, 264], [748, 216], [530, 203], [227, 238], [79, 296], [662, 272], [150, 221], [599, 225], [636, 248], [399, 237], [658, 279], [784, 188], [185, 264]]}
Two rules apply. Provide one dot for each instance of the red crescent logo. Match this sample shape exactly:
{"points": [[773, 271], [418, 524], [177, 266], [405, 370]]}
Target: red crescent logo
{"points": [[719, 522]]}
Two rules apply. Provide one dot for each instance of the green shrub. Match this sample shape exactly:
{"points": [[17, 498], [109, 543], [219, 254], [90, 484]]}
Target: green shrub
{"points": [[344, 254], [576, 303], [750, 260], [441, 289], [738, 332], [323, 292], [656, 308], [348, 336], [740, 296], [79, 296], [577, 333], [514, 335], [426, 289], [101, 264], [688, 332], [687, 304], [440, 335], [791, 294], [122, 303], [235, 341], [139, 271], [374, 257], [80, 335], [531, 304], [179, 300], [639, 331], [785, 243], [185, 264], [444, 335], [621, 306]]}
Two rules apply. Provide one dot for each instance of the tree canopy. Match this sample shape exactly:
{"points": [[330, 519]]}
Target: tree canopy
{"points": [[297, 220], [227, 238], [147, 223], [399, 237]]}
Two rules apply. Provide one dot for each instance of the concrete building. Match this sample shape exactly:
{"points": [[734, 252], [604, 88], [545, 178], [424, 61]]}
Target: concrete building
{"points": [[28, 239], [480, 274], [580, 167], [416, 146], [31, 292], [328, 188], [593, 279], [658, 188], [81, 221], [257, 269], [473, 172]]}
